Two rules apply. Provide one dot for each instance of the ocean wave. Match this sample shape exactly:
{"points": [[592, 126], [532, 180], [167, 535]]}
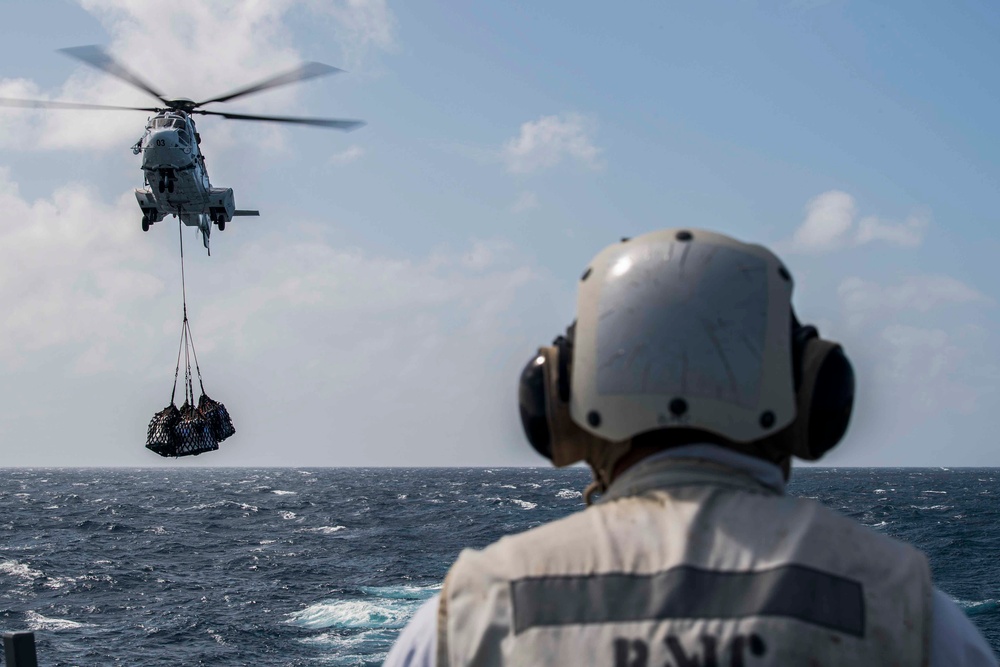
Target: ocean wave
{"points": [[932, 507], [19, 570], [279, 492], [354, 615], [401, 592], [327, 530], [524, 504], [568, 494], [38, 622], [979, 607]]}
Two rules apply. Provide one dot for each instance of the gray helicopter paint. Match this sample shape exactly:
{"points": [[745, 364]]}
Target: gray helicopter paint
{"points": [[170, 153]]}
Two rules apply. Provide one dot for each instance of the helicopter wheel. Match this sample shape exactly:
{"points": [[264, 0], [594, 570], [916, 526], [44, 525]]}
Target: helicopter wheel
{"points": [[145, 223], [170, 185], [222, 224], [162, 186]]}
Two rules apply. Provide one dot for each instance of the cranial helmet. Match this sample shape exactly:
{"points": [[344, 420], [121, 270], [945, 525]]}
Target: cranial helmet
{"points": [[685, 329]]}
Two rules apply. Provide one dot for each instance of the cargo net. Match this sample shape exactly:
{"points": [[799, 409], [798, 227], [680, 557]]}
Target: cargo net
{"points": [[190, 430]]}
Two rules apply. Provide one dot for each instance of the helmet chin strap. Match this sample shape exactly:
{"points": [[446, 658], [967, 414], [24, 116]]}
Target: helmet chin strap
{"points": [[602, 460], [571, 444]]}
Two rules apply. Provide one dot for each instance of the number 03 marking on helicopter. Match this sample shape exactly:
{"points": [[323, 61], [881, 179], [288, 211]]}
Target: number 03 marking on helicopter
{"points": [[176, 180]]}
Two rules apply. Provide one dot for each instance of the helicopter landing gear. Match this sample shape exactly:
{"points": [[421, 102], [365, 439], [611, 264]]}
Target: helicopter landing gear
{"points": [[145, 223], [219, 219]]}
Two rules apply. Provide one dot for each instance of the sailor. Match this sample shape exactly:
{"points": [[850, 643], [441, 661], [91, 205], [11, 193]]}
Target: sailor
{"points": [[687, 384]]}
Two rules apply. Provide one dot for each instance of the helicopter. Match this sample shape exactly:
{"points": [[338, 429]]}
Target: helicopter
{"points": [[175, 177]]}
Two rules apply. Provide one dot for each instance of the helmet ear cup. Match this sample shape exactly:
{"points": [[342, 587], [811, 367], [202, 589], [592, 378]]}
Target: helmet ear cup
{"points": [[551, 366], [533, 404], [827, 397], [543, 397], [824, 392]]}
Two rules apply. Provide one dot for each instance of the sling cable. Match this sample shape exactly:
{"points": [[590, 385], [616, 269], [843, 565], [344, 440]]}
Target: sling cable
{"points": [[190, 430]]}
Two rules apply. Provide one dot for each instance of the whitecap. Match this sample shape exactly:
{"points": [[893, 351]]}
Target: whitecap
{"points": [[288, 516], [524, 504], [401, 592], [279, 492], [354, 614], [327, 530], [507, 486], [38, 622], [59, 582], [977, 607], [19, 570], [942, 492], [880, 491], [568, 494]]}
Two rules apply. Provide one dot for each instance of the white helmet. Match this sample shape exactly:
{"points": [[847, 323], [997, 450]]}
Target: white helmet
{"points": [[685, 329]]}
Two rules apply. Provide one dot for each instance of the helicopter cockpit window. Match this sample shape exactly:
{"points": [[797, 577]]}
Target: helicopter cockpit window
{"points": [[178, 123], [184, 138]]}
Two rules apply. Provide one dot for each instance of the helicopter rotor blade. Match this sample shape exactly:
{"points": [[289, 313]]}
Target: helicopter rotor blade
{"points": [[53, 104], [300, 73], [317, 122], [97, 57]]}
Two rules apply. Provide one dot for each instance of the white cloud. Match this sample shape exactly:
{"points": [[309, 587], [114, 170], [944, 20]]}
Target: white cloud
{"points": [[361, 25], [485, 254], [908, 234], [324, 355], [547, 141], [929, 367], [830, 225], [864, 301], [829, 217], [213, 48], [72, 272], [914, 363], [348, 155], [525, 202]]}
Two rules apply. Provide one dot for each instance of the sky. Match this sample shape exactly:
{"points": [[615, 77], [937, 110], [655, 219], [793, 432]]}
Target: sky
{"points": [[400, 275]]}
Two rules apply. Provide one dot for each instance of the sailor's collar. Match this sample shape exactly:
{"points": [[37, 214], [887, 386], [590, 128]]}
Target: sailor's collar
{"points": [[687, 465]]}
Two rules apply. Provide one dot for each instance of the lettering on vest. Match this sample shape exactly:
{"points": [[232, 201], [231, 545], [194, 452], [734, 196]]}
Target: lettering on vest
{"points": [[635, 652], [631, 653]]}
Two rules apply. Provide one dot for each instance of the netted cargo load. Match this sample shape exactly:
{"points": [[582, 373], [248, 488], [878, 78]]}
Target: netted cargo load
{"points": [[219, 422], [160, 436], [193, 433]]}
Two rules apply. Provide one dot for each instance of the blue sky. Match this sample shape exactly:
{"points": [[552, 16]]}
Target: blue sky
{"points": [[379, 311]]}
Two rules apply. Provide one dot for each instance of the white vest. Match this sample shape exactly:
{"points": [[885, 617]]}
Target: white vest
{"points": [[686, 563]]}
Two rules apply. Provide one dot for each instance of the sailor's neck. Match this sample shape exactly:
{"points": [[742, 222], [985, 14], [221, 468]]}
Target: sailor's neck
{"points": [[765, 472]]}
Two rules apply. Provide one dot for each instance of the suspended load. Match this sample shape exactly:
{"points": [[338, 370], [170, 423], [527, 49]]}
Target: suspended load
{"points": [[190, 430]]}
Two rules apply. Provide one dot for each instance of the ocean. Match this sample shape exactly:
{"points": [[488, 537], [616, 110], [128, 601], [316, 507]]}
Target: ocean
{"points": [[324, 566]]}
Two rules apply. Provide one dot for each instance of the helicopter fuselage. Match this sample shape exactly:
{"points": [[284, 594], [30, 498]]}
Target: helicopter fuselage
{"points": [[176, 180]]}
